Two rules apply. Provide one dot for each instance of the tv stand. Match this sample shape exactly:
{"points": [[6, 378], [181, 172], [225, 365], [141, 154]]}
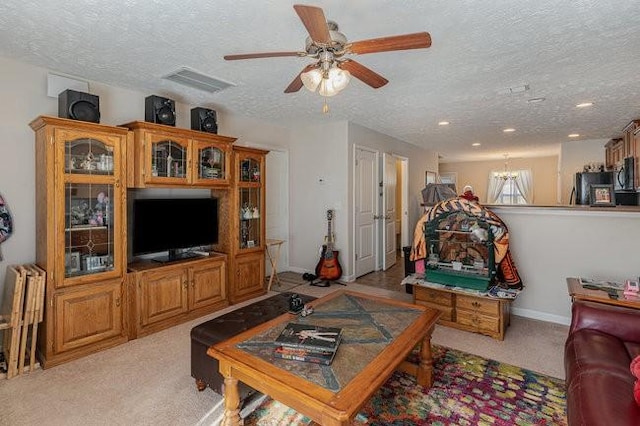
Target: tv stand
{"points": [[167, 294], [175, 255]]}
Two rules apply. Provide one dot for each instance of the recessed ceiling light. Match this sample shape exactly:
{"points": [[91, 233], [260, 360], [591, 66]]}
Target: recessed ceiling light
{"points": [[509, 130], [584, 105], [475, 144], [536, 100], [574, 135], [443, 123]]}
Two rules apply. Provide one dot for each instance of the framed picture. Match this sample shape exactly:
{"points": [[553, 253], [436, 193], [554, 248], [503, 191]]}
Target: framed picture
{"points": [[602, 195], [430, 177], [72, 262]]}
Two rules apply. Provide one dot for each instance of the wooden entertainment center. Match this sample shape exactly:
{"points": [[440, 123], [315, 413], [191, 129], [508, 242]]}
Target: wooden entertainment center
{"points": [[94, 298]]}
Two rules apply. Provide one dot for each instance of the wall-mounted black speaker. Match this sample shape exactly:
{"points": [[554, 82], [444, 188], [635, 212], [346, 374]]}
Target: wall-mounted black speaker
{"points": [[79, 106], [204, 120], [159, 110]]}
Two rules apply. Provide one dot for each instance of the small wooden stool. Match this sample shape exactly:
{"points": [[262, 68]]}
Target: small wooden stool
{"points": [[273, 260]]}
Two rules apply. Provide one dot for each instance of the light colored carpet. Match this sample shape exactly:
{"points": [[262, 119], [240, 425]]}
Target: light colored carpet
{"points": [[147, 381]]}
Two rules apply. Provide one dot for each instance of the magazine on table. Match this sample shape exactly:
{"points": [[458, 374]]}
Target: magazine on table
{"points": [[610, 285], [309, 337], [305, 355]]}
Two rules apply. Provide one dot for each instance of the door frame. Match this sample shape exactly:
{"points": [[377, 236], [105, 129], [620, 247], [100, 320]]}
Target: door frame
{"points": [[404, 202], [384, 202]]}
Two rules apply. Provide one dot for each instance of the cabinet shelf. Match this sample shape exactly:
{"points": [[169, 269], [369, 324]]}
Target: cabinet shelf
{"points": [[85, 228]]}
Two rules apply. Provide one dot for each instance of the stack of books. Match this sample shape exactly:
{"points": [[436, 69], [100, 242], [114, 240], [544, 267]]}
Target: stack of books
{"points": [[308, 343]]}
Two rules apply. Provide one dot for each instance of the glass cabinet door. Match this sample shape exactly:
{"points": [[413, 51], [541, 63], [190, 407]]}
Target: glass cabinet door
{"points": [[89, 246], [212, 163], [250, 200], [250, 224], [168, 159], [87, 205], [250, 170], [87, 156]]}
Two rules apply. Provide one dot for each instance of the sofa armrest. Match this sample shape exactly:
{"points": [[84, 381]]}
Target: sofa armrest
{"points": [[617, 321]]}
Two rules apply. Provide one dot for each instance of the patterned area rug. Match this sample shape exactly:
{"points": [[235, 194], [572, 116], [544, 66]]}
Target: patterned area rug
{"points": [[467, 390]]}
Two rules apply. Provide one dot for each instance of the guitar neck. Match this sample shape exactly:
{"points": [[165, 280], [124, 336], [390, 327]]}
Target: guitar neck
{"points": [[329, 239]]}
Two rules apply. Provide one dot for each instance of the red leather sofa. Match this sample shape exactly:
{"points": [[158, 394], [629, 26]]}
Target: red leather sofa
{"points": [[602, 341]]}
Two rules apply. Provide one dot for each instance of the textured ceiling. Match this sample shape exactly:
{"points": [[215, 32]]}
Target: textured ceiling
{"points": [[566, 51]]}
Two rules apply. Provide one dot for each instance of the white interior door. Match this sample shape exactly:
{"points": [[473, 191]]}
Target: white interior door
{"points": [[277, 191], [365, 210], [388, 218]]}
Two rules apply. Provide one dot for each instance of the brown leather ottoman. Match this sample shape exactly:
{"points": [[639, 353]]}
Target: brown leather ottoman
{"points": [[205, 368]]}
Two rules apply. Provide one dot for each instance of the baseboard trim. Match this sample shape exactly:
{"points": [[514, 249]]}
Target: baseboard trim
{"points": [[542, 316]]}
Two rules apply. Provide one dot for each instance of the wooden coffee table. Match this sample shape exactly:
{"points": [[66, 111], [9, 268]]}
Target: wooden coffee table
{"points": [[378, 335], [578, 292]]}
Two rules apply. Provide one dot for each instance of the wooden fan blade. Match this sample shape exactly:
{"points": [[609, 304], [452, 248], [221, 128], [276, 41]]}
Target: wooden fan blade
{"points": [[363, 73], [385, 44], [314, 21], [296, 84], [262, 55]]}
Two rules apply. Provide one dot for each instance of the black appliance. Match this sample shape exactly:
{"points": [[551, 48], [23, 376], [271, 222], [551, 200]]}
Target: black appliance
{"points": [[625, 175], [159, 110], [79, 106], [173, 224], [204, 120], [585, 179], [626, 194]]}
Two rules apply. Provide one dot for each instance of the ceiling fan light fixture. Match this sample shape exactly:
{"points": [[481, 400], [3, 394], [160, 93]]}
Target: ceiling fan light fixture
{"points": [[311, 79], [328, 83], [327, 88], [339, 78]]}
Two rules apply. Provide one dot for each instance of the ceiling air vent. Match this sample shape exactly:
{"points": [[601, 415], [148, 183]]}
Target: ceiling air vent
{"points": [[199, 81]]}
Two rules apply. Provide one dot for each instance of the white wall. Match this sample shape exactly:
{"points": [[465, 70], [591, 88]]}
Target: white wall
{"points": [[322, 179], [549, 245], [318, 176]]}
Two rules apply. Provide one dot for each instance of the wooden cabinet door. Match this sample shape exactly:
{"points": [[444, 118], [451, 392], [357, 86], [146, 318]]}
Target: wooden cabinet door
{"points": [[249, 276], [208, 284], [162, 294], [87, 316]]}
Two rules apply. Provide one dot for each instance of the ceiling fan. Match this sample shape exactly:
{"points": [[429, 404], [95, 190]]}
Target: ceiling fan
{"points": [[331, 71]]}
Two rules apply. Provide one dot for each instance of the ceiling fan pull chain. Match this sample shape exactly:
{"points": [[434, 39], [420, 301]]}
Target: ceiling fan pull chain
{"points": [[325, 107]]}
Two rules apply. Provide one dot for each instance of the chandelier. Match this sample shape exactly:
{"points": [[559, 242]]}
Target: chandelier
{"points": [[506, 174]]}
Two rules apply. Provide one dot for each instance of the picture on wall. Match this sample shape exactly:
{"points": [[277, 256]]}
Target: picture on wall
{"points": [[430, 177]]}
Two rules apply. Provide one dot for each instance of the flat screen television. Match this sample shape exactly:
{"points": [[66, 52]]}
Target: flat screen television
{"points": [[173, 224]]}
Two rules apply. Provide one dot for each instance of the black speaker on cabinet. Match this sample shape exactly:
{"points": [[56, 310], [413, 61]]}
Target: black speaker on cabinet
{"points": [[159, 110], [79, 106], [204, 120]]}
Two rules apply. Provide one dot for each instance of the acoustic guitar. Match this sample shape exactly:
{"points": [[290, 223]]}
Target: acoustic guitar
{"points": [[328, 268]]}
